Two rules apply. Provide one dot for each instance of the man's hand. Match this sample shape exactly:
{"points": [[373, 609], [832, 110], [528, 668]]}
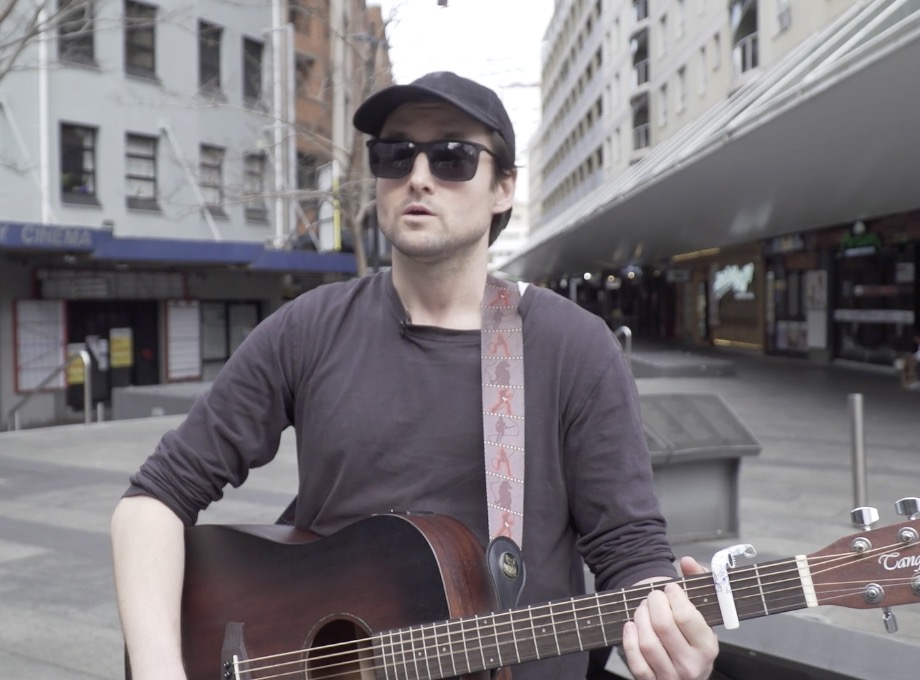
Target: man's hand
{"points": [[668, 638]]}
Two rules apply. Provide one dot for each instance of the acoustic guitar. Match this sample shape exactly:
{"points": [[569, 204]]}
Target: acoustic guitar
{"points": [[408, 597]]}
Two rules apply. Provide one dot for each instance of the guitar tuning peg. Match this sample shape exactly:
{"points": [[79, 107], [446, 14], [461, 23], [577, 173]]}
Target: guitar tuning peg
{"points": [[891, 623], [909, 507], [865, 517]]}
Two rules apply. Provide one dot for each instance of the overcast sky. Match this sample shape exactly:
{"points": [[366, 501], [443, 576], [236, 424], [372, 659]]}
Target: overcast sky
{"points": [[496, 42]]}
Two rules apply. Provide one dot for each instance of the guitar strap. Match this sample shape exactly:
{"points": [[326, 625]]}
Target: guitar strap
{"points": [[503, 407]]}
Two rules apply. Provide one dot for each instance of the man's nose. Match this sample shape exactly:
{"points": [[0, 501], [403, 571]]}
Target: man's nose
{"points": [[421, 176]]}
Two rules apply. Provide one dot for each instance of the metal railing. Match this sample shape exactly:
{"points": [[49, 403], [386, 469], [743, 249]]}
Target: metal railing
{"points": [[745, 55], [641, 136], [13, 414]]}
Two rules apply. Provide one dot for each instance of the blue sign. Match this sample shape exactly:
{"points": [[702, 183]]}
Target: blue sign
{"points": [[44, 237]]}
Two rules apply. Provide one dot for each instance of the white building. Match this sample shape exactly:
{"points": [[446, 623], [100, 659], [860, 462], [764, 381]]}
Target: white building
{"points": [[622, 76], [141, 204]]}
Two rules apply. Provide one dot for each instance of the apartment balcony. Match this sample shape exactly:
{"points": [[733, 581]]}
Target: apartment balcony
{"points": [[642, 142], [745, 55], [640, 13], [640, 77]]}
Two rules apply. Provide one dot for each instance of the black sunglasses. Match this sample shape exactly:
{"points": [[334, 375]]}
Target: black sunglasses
{"points": [[450, 160]]}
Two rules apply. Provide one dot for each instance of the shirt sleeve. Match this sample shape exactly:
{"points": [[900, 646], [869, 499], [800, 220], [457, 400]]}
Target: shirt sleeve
{"points": [[235, 426], [622, 533]]}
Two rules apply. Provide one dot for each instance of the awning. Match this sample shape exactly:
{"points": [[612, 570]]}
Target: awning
{"points": [[294, 261], [177, 250]]}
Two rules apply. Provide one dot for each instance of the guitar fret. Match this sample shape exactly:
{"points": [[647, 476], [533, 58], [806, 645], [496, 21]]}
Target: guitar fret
{"points": [[419, 654], [600, 618], [482, 650], [533, 631], [383, 655], [626, 606], [441, 648], [577, 626], [514, 640], [411, 655], [763, 598]]}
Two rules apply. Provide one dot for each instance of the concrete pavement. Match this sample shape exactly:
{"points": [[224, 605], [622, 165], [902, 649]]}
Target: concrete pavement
{"points": [[58, 487]]}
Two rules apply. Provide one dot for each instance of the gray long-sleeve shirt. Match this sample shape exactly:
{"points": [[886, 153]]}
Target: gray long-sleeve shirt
{"points": [[389, 417]]}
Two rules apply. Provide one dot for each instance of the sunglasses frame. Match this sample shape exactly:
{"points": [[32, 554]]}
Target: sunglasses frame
{"points": [[423, 147]]}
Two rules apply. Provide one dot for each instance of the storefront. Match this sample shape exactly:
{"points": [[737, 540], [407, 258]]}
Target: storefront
{"points": [[875, 291], [796, 297], [720, 298]]}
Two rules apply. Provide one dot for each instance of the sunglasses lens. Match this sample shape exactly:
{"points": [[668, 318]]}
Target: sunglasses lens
{"points": [[453, 161], [391, 160]]}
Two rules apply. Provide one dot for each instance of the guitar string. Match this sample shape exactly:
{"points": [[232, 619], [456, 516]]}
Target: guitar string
{"points": [[494, 624], [351, 662], [426, 665], [616, 598]]}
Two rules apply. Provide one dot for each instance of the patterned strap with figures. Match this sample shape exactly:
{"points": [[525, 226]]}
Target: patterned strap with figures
{"points": [[503, 407]]}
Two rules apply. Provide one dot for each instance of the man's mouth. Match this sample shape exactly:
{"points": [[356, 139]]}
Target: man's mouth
{"points": [[416, 209]]}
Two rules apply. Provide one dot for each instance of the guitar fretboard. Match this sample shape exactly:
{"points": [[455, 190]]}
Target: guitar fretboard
{"points": [[478, 643]]}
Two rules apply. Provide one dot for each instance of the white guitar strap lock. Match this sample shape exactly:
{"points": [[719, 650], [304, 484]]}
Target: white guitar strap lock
{"points": [[722, 561]]}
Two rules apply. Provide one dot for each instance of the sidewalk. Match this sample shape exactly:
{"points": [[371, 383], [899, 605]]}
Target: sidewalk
{"points": [[58, 487], [796, 495]]}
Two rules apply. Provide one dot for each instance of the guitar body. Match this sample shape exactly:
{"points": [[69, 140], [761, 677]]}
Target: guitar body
{"points": [[292, 591]]}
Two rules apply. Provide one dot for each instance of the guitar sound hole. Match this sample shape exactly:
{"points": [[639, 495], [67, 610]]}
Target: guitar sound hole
{"points": [[340, 650]]}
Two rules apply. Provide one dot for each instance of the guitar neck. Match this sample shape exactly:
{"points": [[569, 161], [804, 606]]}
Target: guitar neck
{"points": [[479, 643]]}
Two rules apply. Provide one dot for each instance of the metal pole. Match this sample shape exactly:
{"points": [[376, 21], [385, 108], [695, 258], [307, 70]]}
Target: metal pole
{"points": [[87, 387], [857, 438]]}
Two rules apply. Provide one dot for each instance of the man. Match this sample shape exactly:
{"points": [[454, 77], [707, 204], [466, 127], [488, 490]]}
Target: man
{"points": [[380, 377]]}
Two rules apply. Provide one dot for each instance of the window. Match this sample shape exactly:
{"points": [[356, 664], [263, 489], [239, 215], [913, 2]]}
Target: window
{"points": [[704, 66], [300, 17], [663, 105], [140, 39], [209, 57], [304, 69], [211, 177], [78, 164], [680, 95], [716, 52], [681, 18], [141, 172], [75, 31], [252, 70], [254, 186], [783, 15], [663, 40]]}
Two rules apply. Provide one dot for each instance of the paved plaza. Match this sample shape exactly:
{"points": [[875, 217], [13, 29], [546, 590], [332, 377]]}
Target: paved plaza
{"points": [[58, 487]]}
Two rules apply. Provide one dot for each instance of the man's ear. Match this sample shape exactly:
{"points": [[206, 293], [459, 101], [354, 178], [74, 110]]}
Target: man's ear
{"points": [[504, 193]]}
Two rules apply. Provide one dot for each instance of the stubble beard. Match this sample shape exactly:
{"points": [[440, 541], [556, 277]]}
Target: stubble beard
{"points": [[438, 247]]}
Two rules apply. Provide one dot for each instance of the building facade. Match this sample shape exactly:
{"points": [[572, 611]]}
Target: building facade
{"points": [[150, 199], [750, 165]]}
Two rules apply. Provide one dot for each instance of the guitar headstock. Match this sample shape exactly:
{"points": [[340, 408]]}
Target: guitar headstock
{"points": [[872, 568]]}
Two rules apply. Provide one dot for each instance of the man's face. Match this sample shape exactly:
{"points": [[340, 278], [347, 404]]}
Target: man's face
{"points": [[432, 220]]}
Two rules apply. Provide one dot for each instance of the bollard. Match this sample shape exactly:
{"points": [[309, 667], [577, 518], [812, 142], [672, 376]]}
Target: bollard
{"points": [[858, 444]]}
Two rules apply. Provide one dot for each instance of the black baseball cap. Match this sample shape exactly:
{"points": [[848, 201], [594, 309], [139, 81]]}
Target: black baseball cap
{"points": [[477, 101]]}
